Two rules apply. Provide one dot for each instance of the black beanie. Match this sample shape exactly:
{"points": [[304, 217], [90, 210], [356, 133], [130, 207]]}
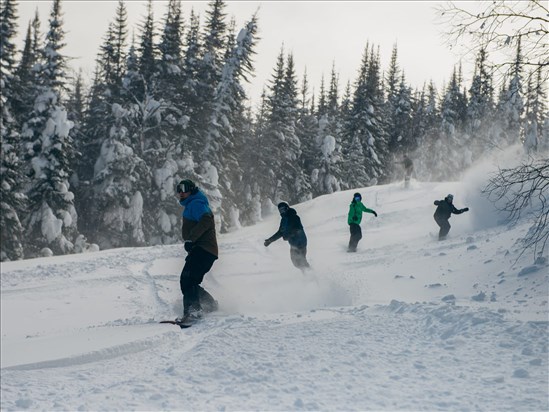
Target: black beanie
{"points": [[186, 186]]}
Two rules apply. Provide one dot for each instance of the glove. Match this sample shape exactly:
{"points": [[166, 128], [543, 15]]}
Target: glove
{"points": [[355, 218], [375, 214], [188, 245], [466, 209], [267, 242]]}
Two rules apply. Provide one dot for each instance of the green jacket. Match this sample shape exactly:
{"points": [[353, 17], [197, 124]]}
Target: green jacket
{"points": [[355, 212]]}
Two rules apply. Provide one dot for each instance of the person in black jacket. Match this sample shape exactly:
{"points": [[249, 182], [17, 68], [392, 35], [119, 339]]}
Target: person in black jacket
{"points": [[408, 170], [445, 208], [291, 230]]}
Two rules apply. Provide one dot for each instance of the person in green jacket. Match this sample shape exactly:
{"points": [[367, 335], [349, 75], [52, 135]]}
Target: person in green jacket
{"points": [[354, 218]]}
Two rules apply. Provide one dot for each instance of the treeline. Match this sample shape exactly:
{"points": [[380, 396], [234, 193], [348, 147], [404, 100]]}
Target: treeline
{"points": [[98, 165]]}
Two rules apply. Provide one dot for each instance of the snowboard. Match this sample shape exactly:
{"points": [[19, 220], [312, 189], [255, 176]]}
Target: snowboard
{"points": [[182, 325]]}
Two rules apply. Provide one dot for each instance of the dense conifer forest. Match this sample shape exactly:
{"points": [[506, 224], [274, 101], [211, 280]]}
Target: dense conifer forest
{"points": [[90, 163]]}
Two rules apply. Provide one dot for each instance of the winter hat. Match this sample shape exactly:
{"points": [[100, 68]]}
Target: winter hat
{"points": [[357, 195], [450, 197], [186, 186], [283, 207]]}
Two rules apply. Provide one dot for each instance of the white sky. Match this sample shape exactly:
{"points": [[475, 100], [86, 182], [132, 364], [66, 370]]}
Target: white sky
{"points": [[317, 33]]}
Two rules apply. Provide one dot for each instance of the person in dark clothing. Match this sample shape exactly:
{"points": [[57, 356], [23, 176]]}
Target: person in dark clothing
{"points": [[198, 232], [291, 230], [354, 218], [445, 208], [408, 170]]}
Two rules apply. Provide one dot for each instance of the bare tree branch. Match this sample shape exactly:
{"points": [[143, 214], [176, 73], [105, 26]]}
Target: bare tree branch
{"points": [[498, 26], [520, 191]]}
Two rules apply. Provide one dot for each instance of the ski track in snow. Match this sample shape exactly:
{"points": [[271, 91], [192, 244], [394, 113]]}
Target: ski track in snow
{"points": [[406, 323]]}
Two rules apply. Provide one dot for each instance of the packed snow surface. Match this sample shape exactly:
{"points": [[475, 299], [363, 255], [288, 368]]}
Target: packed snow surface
{"points": [[406, 323]]}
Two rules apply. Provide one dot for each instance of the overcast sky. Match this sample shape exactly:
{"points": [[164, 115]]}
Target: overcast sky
{"points": [[318, 34]]}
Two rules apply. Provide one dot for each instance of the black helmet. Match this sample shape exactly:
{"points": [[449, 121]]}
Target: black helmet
{"points": [[450, 197], [357, 196], [283, 207], [186, 186]]}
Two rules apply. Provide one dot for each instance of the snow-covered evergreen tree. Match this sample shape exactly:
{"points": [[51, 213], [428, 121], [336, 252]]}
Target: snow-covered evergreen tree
{"points": [[286, 181], [453, 147], [147, 54], [401, 138], [536, 114], [120, 179], [511, 107], [354, 165], [26, 72], [12, 198], [480, 110], [306, 131], [367, 118], [327, 175], [106, 90], [52, 219], [229, 123], [426, 126]]}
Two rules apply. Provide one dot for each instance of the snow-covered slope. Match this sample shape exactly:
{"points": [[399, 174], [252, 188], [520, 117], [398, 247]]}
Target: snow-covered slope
{"points": [[406, 323]]}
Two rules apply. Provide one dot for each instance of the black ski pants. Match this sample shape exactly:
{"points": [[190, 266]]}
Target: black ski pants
{"points": [[299, 256], [197, 263], [444, 226], [356, 235]]}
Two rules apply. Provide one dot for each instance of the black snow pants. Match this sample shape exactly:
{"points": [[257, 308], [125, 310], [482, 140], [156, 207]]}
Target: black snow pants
{"points": [[197, 263], [356, 235], [299, 256], [444, 227]]}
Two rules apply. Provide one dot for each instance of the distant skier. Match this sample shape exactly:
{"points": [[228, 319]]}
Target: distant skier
{"points": [[408, 170], [354, 218], [291, 230], [198, 232], [445, 208]]}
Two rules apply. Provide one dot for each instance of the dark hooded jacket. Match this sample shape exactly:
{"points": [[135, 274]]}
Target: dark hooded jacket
{"points": [[445, 209], [290, 229]]}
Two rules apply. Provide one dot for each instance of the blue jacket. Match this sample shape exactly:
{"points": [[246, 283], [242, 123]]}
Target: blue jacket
{"points": [[198, 223], [195, 206]]}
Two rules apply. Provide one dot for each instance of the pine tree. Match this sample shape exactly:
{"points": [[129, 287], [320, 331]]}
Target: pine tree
{"points": [[208, 72], [511, 107], [353, 169], [120, 180], [13, 200], [25, 87], [426, 126], [52, 221], [326, 177], [147, 53], [480, 110], [189, 82], [271, 157], [228, 123], [393, 89], [285, 180], [367, 118], [106, 90], [306, 131], [401, 139], [536, 115]]}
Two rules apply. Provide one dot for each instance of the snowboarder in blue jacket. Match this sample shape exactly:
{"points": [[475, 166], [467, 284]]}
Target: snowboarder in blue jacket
{"points": [[198, 232], [291, 230]]}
